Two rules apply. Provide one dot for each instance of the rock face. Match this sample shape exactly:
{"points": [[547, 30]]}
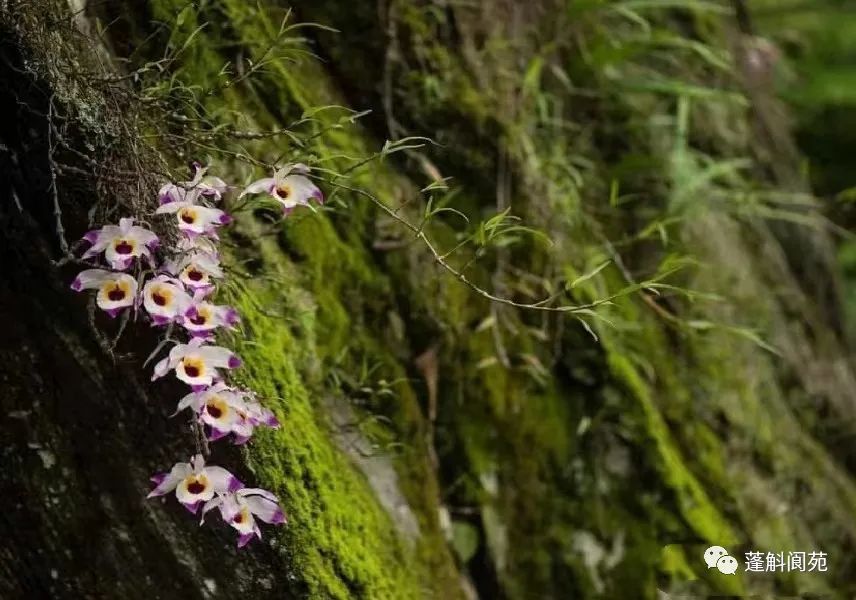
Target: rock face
{"points": [[82, 433], [433, 444]]}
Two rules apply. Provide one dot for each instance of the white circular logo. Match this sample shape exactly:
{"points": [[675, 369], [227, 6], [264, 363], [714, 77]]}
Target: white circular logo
{"points": [[718, 557]]}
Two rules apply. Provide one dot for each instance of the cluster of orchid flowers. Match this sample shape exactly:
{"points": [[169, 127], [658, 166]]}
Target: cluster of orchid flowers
{"points": [[177, 283]]}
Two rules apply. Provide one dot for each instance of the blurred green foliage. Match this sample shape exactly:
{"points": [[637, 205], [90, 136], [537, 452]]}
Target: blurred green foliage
{"points": [[817, 39]]}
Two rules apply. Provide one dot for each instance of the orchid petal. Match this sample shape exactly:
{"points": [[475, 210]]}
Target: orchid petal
{"points": [[172, 207], [220, 357], [89, 279], [222, 480], [257, 187], [265, 509], [168, 481]]}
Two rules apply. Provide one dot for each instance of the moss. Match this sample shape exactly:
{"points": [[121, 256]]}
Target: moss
{"points": [[339, 541]]}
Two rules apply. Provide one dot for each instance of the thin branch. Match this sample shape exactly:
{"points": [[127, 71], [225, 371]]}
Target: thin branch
{"points": [[60, 230], [542, 305]]}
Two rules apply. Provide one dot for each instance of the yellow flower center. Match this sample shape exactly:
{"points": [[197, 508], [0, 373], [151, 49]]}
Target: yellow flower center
{"points": [[203, 315], [187, 215], [216, 407], [124, 246], [241, 517], [193, 366], [161, 295], [196, 484], [194, 274], [116, 291]]}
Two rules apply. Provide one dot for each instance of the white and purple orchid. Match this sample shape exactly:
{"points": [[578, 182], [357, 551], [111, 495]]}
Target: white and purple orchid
{"points": [[194, 483], [195, 219], [121, 243], [226, 410], [197, 364], [201, 184], [208, 185], [289, 186], [195, 269], [116, 291], [241, 508], [165, 300], [201, 318], [214, 406], [251, 415], [176, 291]]}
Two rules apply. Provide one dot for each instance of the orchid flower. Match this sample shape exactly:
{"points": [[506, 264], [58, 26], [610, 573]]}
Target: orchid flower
{"points": [[251, 415], [202, 184], [196, 364], [177, 294], [227, 410], [201, 318], [240, 509], [289, 186], [214, 407], [208, 185], [195, 219], [171, 192], [194, 483], [195, 269], [164, 299], [121, 243], [115, 290]]}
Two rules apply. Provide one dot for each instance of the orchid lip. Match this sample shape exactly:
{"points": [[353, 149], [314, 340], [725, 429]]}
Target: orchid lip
{"points": [[124, 247]]}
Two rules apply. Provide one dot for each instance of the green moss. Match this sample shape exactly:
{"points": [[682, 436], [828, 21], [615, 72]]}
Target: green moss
{"points": [[339, 541], [698, 510]]}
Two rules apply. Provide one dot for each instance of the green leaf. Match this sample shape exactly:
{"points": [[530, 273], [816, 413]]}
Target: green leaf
{"points": [[589, 275]]}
